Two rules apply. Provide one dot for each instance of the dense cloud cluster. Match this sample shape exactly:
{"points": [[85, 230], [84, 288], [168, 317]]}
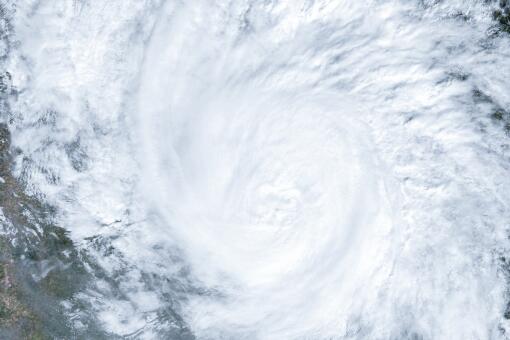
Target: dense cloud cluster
{"points": [[309, 169]]}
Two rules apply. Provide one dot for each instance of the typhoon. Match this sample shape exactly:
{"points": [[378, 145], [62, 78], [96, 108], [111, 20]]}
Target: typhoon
{"points": [[241, 169]]}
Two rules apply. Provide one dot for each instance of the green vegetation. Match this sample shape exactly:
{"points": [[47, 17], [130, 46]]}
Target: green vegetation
{"points": [[502, 16], [40, 269]]}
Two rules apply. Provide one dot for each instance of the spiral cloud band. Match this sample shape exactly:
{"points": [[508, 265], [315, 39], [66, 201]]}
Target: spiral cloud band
{"points": [[277, 199], [281, 170]]}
